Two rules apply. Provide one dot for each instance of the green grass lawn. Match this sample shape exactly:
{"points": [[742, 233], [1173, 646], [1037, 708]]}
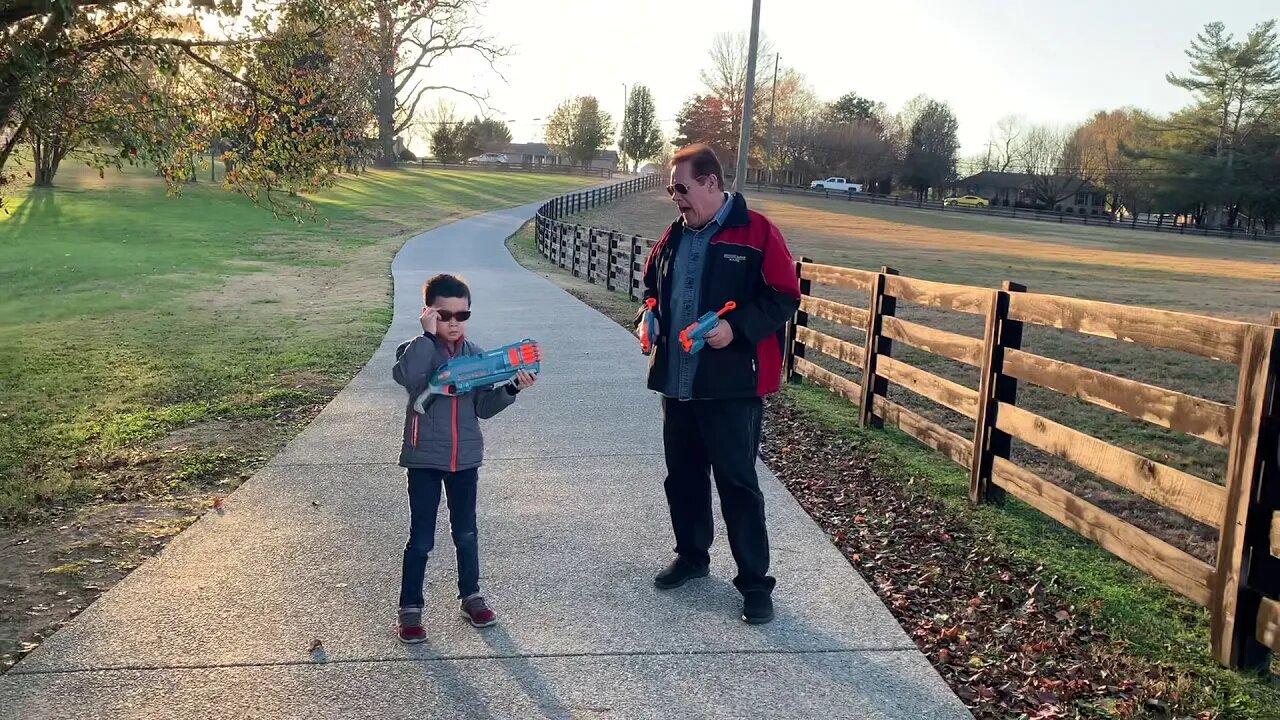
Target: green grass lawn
{"points": [[127, 315]]}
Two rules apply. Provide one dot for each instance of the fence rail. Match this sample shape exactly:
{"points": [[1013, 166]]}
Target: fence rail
{"points": [[1030, 214], [1241, 589]]}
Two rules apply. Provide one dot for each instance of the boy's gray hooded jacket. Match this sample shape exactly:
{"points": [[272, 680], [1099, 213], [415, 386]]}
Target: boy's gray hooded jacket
{"points": [[447, 435]]}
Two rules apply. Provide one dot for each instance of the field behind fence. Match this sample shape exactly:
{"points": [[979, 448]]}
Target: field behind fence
{"points": [[853, 336]]}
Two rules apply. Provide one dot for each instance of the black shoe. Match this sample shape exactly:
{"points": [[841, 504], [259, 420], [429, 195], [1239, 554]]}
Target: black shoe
{"points": [[757, 608], [679, 572]]}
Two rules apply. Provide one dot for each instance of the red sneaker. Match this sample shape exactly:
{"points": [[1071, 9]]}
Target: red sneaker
{"points": [[409, 627], [477, 612]]}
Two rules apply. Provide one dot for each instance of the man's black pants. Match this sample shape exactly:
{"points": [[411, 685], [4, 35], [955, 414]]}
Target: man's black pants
{"points": [[720, 436]]}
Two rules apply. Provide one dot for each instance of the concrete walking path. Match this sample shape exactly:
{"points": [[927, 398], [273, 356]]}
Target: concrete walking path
{"points": [[573, 526]]}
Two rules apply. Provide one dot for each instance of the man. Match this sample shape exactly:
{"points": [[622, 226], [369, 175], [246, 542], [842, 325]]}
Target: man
{"points": [[718, 251]]}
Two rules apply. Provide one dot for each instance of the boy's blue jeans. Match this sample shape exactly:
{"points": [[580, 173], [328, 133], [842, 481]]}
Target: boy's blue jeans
{"points": [[424, 502]]}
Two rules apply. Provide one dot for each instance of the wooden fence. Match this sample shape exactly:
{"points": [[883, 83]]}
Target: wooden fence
{"points": [[606, 257], [1241, 590]]}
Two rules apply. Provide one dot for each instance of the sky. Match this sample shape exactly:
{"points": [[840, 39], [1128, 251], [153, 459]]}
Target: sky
{"points": [[1053, 62]]}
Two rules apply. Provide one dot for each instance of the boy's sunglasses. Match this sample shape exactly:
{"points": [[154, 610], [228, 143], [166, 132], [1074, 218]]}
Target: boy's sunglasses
{"points": [[682, 188], [449, 315]]}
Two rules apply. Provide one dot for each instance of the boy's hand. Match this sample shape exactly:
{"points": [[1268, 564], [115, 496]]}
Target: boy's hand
{"points": [[428, 319], [525, 379]]}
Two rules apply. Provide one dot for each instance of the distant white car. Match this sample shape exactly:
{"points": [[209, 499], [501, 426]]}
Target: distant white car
{"points": [[837, 184], [490, 158]]}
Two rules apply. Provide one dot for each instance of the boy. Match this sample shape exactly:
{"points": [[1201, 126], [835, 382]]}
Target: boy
{"points": [[443, 446]]}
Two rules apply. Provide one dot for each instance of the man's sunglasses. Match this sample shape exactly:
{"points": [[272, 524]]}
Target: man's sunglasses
{"points": [[449, 315], [682, 188]]}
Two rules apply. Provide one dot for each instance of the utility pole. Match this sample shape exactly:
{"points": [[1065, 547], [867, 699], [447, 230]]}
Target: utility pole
{"points": [[622, 133], [744, 141], [773, 106]]}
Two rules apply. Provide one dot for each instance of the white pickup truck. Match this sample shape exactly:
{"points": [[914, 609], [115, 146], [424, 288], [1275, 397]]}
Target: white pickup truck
{"points": [[838, 184]]}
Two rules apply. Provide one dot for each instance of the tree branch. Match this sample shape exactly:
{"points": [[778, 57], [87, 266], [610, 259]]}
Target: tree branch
{"points": [[12, 143], [218, 69], [14, 12], [422, 91]]}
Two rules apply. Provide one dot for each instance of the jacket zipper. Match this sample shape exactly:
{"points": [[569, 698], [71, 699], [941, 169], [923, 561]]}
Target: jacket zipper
{"points": [[453, 465], [453, 460], [414, 440]]}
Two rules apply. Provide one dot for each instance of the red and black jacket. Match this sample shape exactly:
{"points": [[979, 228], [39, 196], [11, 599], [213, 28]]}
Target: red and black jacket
{"points": [[747, 262]]}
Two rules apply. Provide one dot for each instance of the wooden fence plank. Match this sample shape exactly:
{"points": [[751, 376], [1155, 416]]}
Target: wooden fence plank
{"points": [[1275, 534], [960, 298], [940, 390], [845, 387], [836, 348], [1269, 623], [839, 276], [835, 312], [959, 449], [1229, 631], [1205, 336], [961, 348], [1198, 499], [1167, 408], [1175, 568]]}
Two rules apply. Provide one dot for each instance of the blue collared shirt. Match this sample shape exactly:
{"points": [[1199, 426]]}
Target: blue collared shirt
{"points": [[686, 295]]}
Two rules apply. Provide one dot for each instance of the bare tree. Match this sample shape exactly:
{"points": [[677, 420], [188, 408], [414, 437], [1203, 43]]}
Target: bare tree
{"points": [[1004, 149], [421, 32], [1056, 165], [726, 80], [1101, 144]]}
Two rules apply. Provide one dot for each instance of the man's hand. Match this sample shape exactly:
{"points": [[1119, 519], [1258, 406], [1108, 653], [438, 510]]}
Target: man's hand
{"points": [[720, 336], [525, 380], [428, 319]]}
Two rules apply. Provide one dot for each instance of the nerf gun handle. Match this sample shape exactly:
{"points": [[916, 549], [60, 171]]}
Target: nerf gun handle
{"points": [[694, 337], [649, 326]]}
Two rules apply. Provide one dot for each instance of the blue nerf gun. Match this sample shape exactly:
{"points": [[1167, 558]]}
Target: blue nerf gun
{"points": [[694, 337], [649, 326], [461, 375]]}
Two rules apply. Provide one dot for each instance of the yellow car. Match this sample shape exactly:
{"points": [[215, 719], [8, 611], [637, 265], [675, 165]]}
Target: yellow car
{"points": [[966, 200]]}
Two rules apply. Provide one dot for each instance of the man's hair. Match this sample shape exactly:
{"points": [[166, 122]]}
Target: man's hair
{"points": [[702, 161], [444, 285]]}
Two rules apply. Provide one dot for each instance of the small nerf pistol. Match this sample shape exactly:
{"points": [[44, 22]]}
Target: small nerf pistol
{"points": [[461, 375], [694, 337], [649, 326]]}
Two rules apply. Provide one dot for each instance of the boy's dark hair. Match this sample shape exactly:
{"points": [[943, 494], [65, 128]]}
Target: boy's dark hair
{"points": [[702, 161], [445, 285]]}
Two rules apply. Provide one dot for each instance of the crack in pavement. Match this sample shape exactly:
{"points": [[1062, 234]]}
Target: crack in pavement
{"points": [[466, 658]]}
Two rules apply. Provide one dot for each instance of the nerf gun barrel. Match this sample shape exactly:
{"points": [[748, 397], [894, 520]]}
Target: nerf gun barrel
{"points": [[461, 375], [649, 326], [694, 337]]}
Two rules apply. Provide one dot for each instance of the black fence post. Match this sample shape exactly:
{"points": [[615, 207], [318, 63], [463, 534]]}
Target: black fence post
{"points": [[632, 266], [795, 349]]}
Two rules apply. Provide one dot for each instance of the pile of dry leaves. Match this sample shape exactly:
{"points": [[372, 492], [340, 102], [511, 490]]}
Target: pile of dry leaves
{"points": [[997, 630]]}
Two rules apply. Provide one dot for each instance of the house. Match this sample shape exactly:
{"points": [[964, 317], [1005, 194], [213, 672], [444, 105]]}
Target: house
{"points": [[543, 154], [1007, 189]]}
